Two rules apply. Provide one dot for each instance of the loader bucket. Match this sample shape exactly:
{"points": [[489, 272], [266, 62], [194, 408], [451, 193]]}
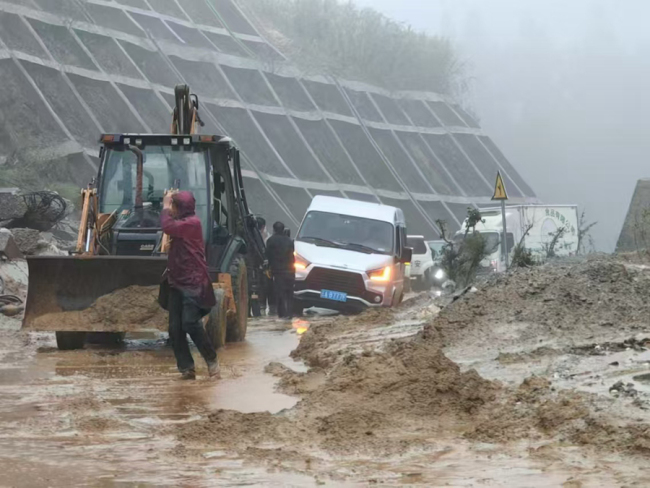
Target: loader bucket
{"points": [[63, 293]]}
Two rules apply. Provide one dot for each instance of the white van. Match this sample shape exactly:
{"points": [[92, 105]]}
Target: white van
{"points": [[350, 255]]}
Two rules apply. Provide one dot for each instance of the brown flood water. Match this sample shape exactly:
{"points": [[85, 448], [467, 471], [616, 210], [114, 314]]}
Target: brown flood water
{"points": [[100, 418]]}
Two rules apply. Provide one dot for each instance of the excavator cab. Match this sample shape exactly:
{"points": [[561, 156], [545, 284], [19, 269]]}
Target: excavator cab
{"points": [[121, 243], [137, 207]]}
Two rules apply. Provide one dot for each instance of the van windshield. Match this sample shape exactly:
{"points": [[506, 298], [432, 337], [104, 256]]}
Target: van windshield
{"points": [[347, 232], [417, 244]]}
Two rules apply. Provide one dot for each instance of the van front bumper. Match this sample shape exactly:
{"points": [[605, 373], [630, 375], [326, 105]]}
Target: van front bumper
{"points": [[361, 292]]}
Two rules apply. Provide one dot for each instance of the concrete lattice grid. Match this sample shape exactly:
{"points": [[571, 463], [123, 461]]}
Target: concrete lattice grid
{"points": [[72, 69]]}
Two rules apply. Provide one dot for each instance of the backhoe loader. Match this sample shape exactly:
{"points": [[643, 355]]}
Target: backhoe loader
{"points": [[121, 247]]}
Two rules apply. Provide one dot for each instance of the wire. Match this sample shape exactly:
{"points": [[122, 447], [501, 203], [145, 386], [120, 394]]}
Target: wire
{"points": [[10, 300]]}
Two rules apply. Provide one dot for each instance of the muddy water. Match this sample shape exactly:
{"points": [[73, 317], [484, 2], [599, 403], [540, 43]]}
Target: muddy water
{"points": [[97, 417]]}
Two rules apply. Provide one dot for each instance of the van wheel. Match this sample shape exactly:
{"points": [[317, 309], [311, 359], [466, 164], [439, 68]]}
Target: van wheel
{"points": [[217, 322], [68, 341], [237, 323]]}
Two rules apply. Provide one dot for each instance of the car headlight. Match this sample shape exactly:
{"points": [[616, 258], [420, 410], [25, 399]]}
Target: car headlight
{"points": [[382, 274], [301, 263], [440, 274]]}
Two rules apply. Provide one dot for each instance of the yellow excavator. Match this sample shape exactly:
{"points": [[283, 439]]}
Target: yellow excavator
{"points": [[121, 249]]}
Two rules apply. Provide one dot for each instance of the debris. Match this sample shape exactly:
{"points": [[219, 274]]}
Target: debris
{"points": [[12, 206], [27, 240], [8, 248], [10, 305], [65, 231], [622, 389], [43, 210]]}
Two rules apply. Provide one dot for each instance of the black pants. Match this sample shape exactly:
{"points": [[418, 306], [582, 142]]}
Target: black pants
{"points": [[185, 318], [283, 287], [267, 295]]}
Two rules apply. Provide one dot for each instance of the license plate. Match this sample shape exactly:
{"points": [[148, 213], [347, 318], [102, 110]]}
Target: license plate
{"points": [[337, 296]]}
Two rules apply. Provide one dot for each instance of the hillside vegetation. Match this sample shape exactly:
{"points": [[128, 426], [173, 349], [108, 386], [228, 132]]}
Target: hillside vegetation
{"points": [[326, 36]]}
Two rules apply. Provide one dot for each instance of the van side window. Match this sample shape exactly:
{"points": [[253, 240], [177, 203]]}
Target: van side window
{"points": [[402, 240], [398, 242]]}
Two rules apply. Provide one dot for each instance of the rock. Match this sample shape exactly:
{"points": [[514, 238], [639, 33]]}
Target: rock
{"points": [[27, 240], [65, 231], [276, 369], [622, 389], [46, 248], [11, 310], [12, 206], [8, 247]]}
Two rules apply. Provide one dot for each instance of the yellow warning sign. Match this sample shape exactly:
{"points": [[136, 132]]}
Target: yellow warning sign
{"points": [[499, 188]]}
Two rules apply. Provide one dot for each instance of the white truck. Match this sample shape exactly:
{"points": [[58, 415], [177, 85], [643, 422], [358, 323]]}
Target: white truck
{"points": [[543, 222]]}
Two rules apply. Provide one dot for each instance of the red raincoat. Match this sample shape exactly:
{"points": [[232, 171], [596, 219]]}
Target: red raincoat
{"points": [[188, 270]]}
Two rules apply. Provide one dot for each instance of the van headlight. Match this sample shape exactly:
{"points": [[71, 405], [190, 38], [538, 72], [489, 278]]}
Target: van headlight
{"points": [[440, 274], [301, 264], [380, 275]]}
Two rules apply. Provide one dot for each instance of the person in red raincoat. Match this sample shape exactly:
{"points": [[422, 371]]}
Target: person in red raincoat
{"points": [[191, 294]]}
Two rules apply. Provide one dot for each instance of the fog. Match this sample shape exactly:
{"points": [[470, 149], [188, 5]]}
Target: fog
{"points": [[562, 87]]}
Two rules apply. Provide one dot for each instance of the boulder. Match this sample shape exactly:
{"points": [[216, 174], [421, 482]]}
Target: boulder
{"points": [[27, 240], [12, 206], [8, 247], [66, 231]]}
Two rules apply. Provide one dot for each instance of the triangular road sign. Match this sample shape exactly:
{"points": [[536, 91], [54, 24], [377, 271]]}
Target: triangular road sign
{"points": [[499, 188]]}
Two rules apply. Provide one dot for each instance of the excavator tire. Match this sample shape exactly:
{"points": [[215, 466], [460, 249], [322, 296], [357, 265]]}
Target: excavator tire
{"points": [[237, 323], [68, 341], [216, 324]]}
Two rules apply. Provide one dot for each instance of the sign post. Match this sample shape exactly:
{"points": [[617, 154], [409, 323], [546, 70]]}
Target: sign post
{"points": [[500, 194]]}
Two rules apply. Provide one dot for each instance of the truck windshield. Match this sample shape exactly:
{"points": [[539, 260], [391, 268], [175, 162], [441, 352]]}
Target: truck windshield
{"points": [[493, 239], [164, 168], [347, 232]]}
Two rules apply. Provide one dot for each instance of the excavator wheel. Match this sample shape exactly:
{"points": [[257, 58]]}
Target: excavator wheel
{"points": [[68, 341], [216, 324], [237, 324]]}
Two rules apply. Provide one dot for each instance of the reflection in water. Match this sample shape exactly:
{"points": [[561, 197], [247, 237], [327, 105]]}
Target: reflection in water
{"points": [[300, 326]]}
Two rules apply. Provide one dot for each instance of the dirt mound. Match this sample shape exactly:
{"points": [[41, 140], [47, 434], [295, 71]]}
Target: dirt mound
{"points": [[411, 378], [581, 297], [239, 429], [362, 402], [126, 309]]}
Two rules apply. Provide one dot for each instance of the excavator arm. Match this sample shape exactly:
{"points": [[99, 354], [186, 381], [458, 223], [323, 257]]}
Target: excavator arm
{"points": [[185, 118]]}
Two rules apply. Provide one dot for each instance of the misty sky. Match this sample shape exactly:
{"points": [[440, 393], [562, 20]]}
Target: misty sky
{"points": [[563, 86]]}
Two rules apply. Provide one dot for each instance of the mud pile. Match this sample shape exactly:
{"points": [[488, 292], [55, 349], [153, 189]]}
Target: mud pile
{"points": [[124, 310], [358, 400], [579, 298], [371, 392]]}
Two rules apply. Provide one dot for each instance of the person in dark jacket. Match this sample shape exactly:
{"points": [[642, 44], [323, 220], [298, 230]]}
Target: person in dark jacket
{"points": [[266, 295], [191, 294], [279, 253]]}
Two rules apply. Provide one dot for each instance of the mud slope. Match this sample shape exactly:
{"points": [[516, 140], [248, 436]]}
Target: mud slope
{"points": [[572, 300]]}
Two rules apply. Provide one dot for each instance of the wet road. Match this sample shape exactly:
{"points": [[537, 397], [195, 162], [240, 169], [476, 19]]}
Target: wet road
{"points": [[105, 417], [98, 417]]}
